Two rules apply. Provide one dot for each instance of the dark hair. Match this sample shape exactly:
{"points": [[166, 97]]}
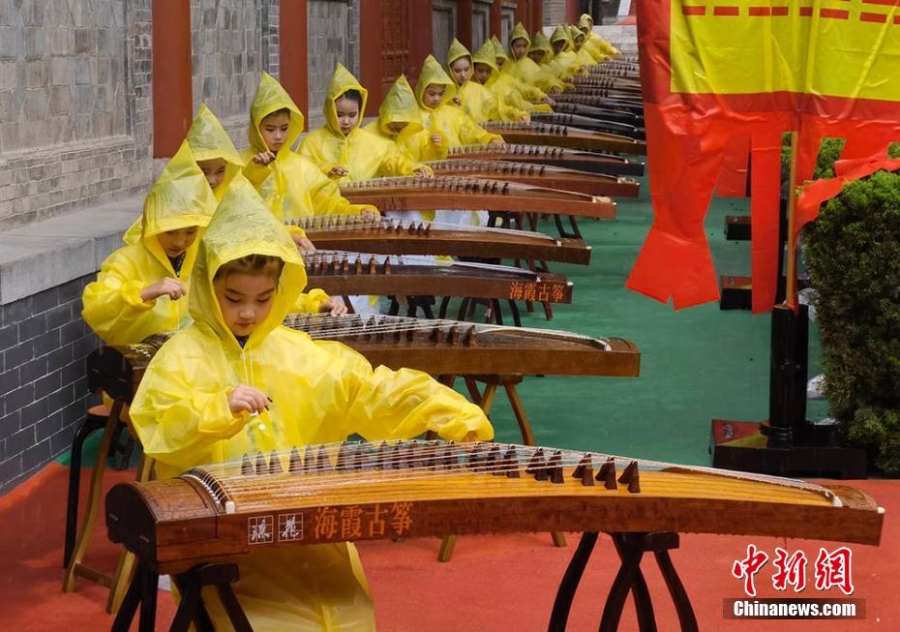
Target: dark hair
{"points": [[279, 111], [353, 95], [252, 264]]}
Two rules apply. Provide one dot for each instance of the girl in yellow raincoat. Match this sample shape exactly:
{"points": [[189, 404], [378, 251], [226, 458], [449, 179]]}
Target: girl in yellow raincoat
{"points": [[342, 149], [237, 381], [524, 67], [564, 50], [400, 121], [141, 287], [477, 101], [290, 184], [542, 53], [504, 81], [597, 47]]}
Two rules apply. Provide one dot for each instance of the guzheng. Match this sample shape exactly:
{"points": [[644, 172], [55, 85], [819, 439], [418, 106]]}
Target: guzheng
{"points": [[634, 119], [598, 99], [589, 123], [536, 174], [427, 489], [557, 156], [397, 237], [562, 136], [437, 347], [347, 274], [459, 193]]}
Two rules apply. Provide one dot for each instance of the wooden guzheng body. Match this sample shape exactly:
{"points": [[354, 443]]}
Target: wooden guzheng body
{"points": [[398, 237], [537, 174], [426, 489], [347, 274], [437, 347], [444, 192], [582, 121], [562, 136], [557, 156]]}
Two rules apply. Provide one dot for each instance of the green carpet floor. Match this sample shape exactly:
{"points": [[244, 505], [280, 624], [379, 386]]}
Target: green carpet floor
{"points": [[697, 364]]}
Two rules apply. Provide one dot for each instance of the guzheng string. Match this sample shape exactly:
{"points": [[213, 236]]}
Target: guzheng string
{"points": [[397, 467], [320, 326], [339, 259]]}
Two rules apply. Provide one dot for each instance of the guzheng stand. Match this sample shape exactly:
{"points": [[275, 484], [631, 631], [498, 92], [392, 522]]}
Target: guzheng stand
{"points": [[631, 548]]}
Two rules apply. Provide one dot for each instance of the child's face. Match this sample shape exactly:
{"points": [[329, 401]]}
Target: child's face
{"points": [[347, 114], [558, 46], [519, 47], [537, 56], [214, 170], [245, 300], [274, 128], [397, 126], [500, 61], [579, 41], [175, 242], [461, 70], [433, 95], [482, 73]]}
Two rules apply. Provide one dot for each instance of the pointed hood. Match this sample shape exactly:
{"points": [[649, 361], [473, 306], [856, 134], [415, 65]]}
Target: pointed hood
{"points": [[400, 106], [500, 53], [586, 22], [561, 34], [519, 32], [341, 81], [575, 32], [270, 97], [433, 73], [209, 141], [486, 55], [243, 225], [540, 42], [456, 51], [180, 198]]}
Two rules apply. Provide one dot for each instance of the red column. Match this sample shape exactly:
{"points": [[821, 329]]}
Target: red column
{"points": [[173, 103], [573, 11], [370, 44], [292, 51], [496, 17], [422, 39], [464, 22]]}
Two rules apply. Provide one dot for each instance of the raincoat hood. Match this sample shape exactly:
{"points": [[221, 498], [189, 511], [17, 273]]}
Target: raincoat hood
{"points": [[456, 51], [433, 73], [575, 32], [342, 81], [540, 43], [561, 33], [180, 198], [486, 55], [400, 106], [208, 141], [499, 52], [586, 22], [519, 32], [270, 97], [243, 225]]}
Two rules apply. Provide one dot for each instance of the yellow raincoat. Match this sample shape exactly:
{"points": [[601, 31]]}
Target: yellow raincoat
{"points": [[321, 391], [457, 127], [583, 56], [478, 101], [208, 140], [400, 106], [291, 185], [113, 307], [594, 42], [526, 70], [565, 60], [505, 81], [363, 154]]}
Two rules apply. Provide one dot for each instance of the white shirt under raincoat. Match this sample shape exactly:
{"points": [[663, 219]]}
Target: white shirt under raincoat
{"points": [[321, 391], [113, 307], [291, 185], [364, 155]]}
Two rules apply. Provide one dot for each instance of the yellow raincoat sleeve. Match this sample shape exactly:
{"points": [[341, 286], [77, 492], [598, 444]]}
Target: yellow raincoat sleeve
{"points": [[403, 404], [310, 302], [113, 307]]}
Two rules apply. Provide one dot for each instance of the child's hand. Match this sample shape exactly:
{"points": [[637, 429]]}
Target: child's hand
{"points": [[263, 157], [337, 172], [370, 212], [247, 398], [436, 139], [497, 143], [423, 172], [173, 288], [304, 245], [550, 102], [333, 306], [526, 118], [457, 100]]}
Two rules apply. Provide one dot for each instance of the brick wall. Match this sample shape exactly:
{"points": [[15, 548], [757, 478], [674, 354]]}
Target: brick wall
{"points": [[333, 38], [43, 388]]}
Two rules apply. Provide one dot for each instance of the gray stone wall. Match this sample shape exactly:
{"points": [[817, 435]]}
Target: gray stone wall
{"points": [[75, 117], [554, 12], [333, 37]]}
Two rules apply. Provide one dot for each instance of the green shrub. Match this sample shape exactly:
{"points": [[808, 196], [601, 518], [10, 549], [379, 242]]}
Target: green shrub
{"points": [[852, 254]]}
